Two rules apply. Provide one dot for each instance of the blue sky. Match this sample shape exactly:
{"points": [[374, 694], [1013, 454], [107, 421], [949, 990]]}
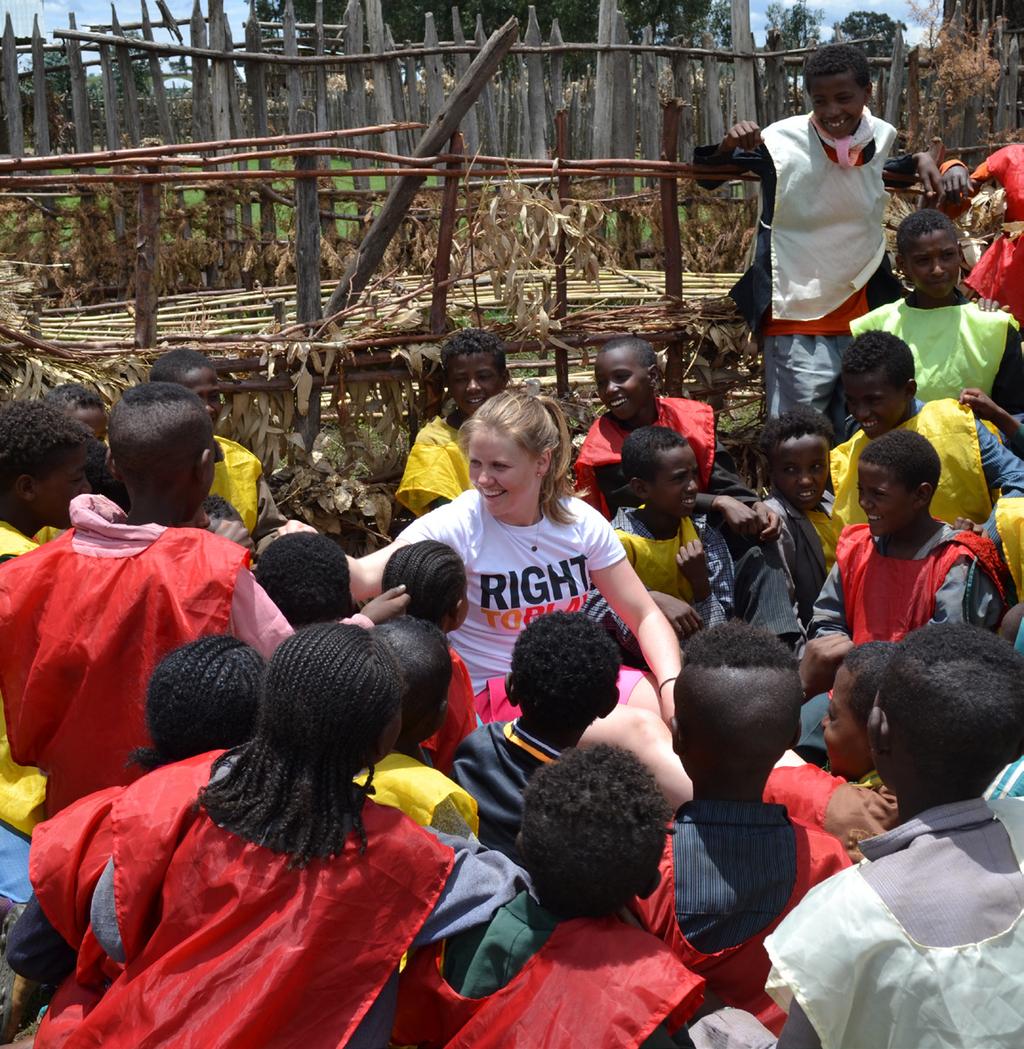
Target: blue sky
{"points": [[98, 11]]}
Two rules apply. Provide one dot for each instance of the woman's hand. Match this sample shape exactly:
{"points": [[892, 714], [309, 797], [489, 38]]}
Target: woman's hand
{"points": [[694, 566], [745, 135]]}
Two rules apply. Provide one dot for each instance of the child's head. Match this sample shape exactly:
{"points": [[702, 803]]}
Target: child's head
{"points": [[837, 80], [201, 697], [42, 465], [738, 700], [82, 404], [101, 480], [928, 253], [425, 664], [220, 517], [1009, 628], [661, 469], [474, 368], [330, 707], [797, 445], [878, 379], [434, 577], [161, 447], [593, 832], [564, 675], [949, 715], [191, 369], [306, 576], [896, 478], [853, 695], [627, 376]]}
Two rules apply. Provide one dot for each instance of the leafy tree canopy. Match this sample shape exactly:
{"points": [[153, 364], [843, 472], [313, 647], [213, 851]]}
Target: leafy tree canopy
{"points": [[798, 23], [860, 24]]}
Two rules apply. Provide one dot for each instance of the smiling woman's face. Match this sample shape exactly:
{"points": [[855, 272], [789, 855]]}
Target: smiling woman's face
{"points": [[507, 477]]}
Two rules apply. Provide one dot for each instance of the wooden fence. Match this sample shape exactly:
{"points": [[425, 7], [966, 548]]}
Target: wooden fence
{"points": [[356, 75]]}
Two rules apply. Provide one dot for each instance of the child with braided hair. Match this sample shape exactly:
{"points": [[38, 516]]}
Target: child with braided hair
{"points": [[202, 697], [434, 577], [286, 873]]}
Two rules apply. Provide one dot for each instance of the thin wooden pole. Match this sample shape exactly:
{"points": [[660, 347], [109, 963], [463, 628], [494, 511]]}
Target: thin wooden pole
{"points": [[12, 91], [670, 116], [146, 259], [307, 266], [445, 235], [79, 95], [40, 114], [561, 278]]}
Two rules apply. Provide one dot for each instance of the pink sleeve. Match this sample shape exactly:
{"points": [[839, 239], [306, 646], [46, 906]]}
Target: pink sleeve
{"points": [[255, 619]]}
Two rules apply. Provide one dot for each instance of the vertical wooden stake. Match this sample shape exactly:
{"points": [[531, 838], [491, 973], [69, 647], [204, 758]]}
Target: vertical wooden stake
{"points": [[40, 115], [146, 247], [445, 234], [79, 93], [307, 264], [670, 114], [561, 279], [12, 91]]}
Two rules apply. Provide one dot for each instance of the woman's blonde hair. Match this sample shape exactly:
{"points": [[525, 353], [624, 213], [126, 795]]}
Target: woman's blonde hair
{"points": [[537, 425]]}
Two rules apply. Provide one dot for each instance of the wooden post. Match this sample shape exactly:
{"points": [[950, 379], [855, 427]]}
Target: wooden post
{"points": [[110, 106], [163, 113], [12, 91], [129, 92], [307, 264], [445, 235], [647, 101], [557, 98], [79, 93], [743, 68], [355, 76], [221, 74], [624, 126], [604, 87], [682, 86], [293, 78], [405, 138], [202, 104], [714, 125], [491, 134], [465, 93], [320, 72], [470, 126], [893, 106], [381, 87], [913, 97], [775, 77], [40, 114], [670, 114], [146, 248], [432, 69], [535, 89], [256, 89], [561, 278], [412, 90]]}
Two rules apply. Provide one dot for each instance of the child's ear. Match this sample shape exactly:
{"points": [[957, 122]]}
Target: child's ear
{"points": [[638, 486], [678, 737], [112, 467], [911, 389], [879, 735], [456, 617], [25, 488], [922, 494]]}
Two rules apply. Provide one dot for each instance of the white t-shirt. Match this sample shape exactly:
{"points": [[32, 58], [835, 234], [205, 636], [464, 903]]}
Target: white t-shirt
{"points": [[515, 573]]}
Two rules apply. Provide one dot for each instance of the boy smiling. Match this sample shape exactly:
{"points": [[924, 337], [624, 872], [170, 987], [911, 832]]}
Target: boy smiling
{"points": [[956, 344]]}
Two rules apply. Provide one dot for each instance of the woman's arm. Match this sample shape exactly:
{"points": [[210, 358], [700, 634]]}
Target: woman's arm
{"points": [[366, 574], [629, 598]]}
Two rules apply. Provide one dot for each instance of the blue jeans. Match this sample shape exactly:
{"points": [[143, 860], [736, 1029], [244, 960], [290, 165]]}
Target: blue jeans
{"points": [[14, 882], [804, 369]]}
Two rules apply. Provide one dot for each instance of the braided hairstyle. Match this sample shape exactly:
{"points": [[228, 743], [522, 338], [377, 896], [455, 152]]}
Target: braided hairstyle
{"points": [[202, 696], [328, 693], [434, 576]]}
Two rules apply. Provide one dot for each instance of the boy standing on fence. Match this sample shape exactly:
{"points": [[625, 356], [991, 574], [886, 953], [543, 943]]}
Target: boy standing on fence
{"points": [[823, 189]]}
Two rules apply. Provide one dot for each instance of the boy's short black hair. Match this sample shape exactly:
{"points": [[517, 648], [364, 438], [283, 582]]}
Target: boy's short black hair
{"points": [[157, 429], [469, 341], [908, 456], [799, 421], [866, 664], [35, 438], [564, 671], [73, 395], [306, 576], [175, 365], [879, 351], [834, 60], [641, 347], [593, 831], [920, 224], [955, 695], [424, 660], [740, 685], [202, 696], [98, 474], [641, 449], [221, 509], [434, 577]]}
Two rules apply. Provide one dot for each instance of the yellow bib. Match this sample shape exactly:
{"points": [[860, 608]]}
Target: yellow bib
{"points": [[421, 792], [435, 469], [828, 529], [962, 490], [236, 478], [1010, 525], [655, 560], [953, 346], [22, 789]]}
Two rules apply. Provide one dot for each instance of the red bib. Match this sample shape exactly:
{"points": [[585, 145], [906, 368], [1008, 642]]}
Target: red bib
{"points": [[460, 720], [82, 636], [228, 946], [805, 790], [887, 597], [738, 974], [597, 983], [603, 443]]}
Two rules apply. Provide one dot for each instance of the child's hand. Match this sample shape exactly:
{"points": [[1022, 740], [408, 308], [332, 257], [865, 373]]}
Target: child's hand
{"points": [[956, 183], [821, 660], [985, 408], [745, 135], [684, 618], [930, 178], [389, 605], [291, 527], [989, 305], [694, 566], [965, 524]]}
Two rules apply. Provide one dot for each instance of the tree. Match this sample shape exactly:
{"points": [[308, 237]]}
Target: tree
{"points": [[798, 23], [860, 24]]}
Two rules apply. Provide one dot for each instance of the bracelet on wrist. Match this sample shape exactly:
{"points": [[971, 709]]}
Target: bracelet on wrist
{"points": [[666, 681]]}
